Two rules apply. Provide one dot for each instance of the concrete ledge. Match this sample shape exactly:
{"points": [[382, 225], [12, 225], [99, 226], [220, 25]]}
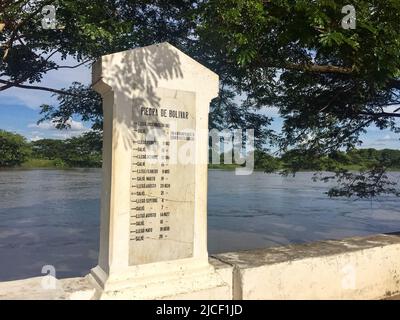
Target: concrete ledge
{"points": [[35, 289], [354, 268]]}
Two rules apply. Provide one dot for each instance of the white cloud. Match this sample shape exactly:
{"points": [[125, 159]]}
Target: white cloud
{"points": [[387, 138], [48, 129], [387, 142], [35, 138], [391, 108]]}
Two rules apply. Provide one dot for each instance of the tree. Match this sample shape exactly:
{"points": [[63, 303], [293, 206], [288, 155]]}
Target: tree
{"points": [[14, 149], [83, 151], [265, 161], [48, 149], [330, 84]]}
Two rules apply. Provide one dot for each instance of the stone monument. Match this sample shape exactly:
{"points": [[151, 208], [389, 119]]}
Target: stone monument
{"points": [[153, 233]]}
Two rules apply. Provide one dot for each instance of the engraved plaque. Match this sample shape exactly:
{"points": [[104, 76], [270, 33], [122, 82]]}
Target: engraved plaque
{"points": [[162, 181]]}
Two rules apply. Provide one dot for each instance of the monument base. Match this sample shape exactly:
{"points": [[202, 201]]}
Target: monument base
{"points": [[166, 280]]}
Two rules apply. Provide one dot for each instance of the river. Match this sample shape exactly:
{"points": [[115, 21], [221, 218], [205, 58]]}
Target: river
{"points": [[51, 217]]}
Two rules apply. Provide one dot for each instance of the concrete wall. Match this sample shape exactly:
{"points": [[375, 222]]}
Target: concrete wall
{"points": [[354, 268]]}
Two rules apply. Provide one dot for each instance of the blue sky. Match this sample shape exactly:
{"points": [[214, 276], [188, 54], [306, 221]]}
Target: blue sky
{"points": [[19, 111], [19, 108]]}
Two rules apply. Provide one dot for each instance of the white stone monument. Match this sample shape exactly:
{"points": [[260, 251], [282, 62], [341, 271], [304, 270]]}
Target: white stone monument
{"points": [[153, 234]]}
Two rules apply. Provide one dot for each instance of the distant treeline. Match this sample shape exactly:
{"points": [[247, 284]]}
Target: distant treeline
{"points": [[82, 151], [297, 160], [86, 151], [355, 159]]}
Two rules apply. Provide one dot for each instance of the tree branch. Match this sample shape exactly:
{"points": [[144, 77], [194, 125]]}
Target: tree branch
{"points": [[318, 68], [381, 114], [68, 67], [394, 83], [57, 91]]}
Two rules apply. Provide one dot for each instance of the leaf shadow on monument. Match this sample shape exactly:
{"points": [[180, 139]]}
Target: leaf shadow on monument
{"points": [[135, 76]]}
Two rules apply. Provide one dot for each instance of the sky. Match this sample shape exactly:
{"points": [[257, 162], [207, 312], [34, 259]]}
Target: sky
{"points": [[19, 111], [20, 108]]}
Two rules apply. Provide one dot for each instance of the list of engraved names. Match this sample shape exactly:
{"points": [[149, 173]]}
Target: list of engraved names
{"points": [[162, 188]]}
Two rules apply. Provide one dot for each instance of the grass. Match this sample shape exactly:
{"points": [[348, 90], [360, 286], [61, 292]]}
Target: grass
{"points": [[42, 163], [357, 167], [223, 166]]}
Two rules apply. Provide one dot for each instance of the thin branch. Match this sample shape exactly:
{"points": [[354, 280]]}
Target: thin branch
{"points": [[341, 90], [349, 134], [382, 114], [394, 83], [18, 83], [68, 67], [52, 54], [29, 87], [318, 68]]}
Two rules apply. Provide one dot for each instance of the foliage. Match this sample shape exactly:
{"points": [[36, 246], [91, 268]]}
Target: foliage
{"points": [[82, 151], [370, 185], [264, 161], [80, 100], [47, 149], [328, 83], [14, 149], [360, 173]]}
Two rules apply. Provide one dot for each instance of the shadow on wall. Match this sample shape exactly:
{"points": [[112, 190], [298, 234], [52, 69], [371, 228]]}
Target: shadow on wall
{"points": [[134, 75]]}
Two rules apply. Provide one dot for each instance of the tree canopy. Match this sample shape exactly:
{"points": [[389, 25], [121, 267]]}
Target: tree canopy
{"points": [[329, 83], [14, 149], [82, 151]]}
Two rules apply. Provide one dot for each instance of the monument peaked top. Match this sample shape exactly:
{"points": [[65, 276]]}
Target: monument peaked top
{"points": [[163, 46], [162, 61]]}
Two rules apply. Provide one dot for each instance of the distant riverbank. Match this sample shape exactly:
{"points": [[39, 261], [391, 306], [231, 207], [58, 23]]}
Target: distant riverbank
{"points": [[48, 164], [85, 151], [59, 164], [41, 163]]}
